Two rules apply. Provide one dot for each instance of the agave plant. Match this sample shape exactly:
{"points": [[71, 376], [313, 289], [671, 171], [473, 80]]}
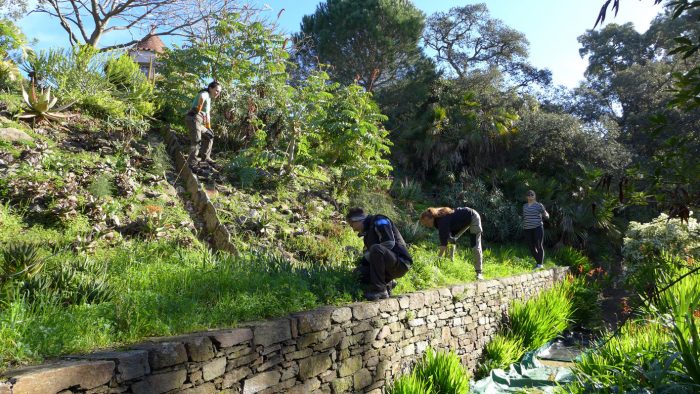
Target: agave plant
{"points": [[41, 106]]}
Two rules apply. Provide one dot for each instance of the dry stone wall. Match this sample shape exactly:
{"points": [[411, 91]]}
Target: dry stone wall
{"points": [[219, 235], [354, 348]]}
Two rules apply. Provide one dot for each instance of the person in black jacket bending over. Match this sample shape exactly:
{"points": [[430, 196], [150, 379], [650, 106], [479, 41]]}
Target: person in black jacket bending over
{"points": [[386, 255], [451, 224]]}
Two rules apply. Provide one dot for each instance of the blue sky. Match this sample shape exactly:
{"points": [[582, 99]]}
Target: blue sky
{"points": [[551, 26]]}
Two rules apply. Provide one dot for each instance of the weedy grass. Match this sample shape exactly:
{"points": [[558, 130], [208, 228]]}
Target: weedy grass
{"points": [[437, 372], [500, 352]]}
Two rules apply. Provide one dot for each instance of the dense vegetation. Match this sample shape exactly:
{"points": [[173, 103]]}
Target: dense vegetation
{"points": [[98, 248]]}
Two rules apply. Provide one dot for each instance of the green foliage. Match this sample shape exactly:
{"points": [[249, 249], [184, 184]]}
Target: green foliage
{"points": [[501, 352], [499, 217], [131, 86], [410, 384], [437, 372], [11, 41], [572, 258], [20, 260], [662, 245], [101, 187], [586, 306], [112, 89], [528, 322], [40, 106], [340, 33]]}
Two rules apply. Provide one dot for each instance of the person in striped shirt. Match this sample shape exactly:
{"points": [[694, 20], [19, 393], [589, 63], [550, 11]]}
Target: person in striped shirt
{"points": [[198, 121], [533, 215]]}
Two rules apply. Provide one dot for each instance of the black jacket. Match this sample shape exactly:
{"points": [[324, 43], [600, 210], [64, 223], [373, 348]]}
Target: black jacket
{"points": [[380, 230], [448, 226]]}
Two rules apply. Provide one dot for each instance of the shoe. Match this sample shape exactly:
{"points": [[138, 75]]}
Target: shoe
{"points": [[376, 295], [390, 286], [479, 276], [539, 267]]}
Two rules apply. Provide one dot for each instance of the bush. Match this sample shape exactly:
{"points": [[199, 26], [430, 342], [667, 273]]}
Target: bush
{"points": [[645, 244], [573, 258], [542, 318], [585, 302], [501, 352], [500, 218]]}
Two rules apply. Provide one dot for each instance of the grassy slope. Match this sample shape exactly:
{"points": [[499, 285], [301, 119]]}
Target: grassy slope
{"points": [[99, 288]]}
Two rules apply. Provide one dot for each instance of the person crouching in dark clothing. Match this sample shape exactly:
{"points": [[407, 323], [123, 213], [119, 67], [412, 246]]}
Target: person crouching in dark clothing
{"points": [[386, 255]]}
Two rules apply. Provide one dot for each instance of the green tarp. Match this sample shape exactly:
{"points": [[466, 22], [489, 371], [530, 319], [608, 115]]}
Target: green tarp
{"points": [[530, 373]]}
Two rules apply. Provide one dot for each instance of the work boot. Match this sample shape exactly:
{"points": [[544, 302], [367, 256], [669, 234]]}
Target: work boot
{"points": [[390, 286], [479, 276], [376, 295]]}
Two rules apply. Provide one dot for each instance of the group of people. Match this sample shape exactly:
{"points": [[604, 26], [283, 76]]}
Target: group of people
{"points": [[386, 257]]}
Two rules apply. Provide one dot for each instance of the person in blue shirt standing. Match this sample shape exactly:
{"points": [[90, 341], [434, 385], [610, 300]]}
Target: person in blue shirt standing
{"points": [[198, 121], [533, 226], [386, 255]]}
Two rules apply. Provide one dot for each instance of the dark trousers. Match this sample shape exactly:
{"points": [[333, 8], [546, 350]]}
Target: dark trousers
{"points": [[381, 267], [535, 241]]}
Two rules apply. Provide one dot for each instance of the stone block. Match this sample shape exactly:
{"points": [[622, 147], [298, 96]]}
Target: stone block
{"points": [[362, 379], [235, 376], [53, 378], [214, 369], [270, 332], [260, 382], [228, 338], [341, 315], [164, 354], [342, 385], [298, 354], [365, 310], [160, 383], [130, 364], [312, 339], [5, 388], [316, 320], [308, 387], [350, 366], [314, 366], [431, 297], [383, 333], [388, 305], [11, 134], [417, 301], [332, 341], [207, 388], [199, 348]]}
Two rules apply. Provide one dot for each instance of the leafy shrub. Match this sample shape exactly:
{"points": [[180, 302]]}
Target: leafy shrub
{"points": [[626, 360], [541, 318], [573, 258], [501, 352], [406, 189], [585, 302], [500, 218], [132, 86], [645, 242]]}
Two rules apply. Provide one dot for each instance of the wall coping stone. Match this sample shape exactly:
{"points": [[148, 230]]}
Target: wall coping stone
{"points": [[306, 346]]}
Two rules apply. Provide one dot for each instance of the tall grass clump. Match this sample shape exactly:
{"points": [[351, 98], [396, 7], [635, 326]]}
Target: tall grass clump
{"points": [[501, 352], [410, 384], [542, 318], [436, 373]]}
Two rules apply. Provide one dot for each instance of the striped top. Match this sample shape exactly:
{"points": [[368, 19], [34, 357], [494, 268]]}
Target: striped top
{"points": [[533, 214]]}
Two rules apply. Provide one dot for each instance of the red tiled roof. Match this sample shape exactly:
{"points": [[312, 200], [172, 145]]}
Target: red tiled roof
{"points": [[152, 43]]}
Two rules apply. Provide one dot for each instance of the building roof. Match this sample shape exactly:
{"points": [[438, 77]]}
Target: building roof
{"points": [[152, 43]]}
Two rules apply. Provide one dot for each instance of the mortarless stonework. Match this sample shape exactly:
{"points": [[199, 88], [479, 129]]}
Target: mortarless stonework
{"points": [[348, 349]]}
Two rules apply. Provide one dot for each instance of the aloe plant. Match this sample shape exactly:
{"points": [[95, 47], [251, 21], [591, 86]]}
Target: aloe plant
{"points": [[41, 105]]}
